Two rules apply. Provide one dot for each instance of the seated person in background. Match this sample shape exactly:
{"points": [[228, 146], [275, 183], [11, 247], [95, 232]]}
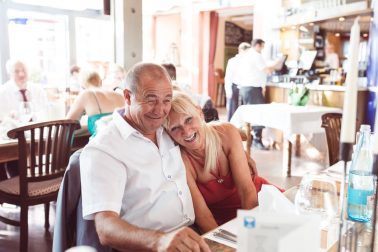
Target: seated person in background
{"points": [[18, 90], [204, 101], [13, 94], [115, 78], [217, 168], [132, 175], [74, 79], [93, 100]]}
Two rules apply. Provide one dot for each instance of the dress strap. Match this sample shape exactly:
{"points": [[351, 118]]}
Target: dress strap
{"points": [[98, 104]]}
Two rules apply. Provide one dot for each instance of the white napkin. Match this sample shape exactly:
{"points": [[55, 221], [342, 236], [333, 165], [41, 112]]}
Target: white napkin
{"points": [[272, 200]]}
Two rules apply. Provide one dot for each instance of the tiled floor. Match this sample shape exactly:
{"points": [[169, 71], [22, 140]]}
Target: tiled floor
{"points": [[269, 164]]}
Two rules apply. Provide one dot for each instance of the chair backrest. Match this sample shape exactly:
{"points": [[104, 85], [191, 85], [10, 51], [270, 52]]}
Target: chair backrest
{"points": [[70, 229], [219, 75], [43, 150], [331, 122]]}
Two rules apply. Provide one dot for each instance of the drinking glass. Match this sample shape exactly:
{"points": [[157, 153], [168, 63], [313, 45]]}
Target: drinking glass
{"points": [[25, 112], [317, 194]]}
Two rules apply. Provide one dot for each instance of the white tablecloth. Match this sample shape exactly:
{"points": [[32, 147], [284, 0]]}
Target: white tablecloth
{"points": [[287, 118]]}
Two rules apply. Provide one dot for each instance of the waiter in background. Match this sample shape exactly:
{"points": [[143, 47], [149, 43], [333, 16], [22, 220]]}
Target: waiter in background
{"points": [[231, 87], [251, 75]]}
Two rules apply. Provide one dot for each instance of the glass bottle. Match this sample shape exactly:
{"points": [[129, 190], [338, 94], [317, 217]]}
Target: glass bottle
{"points": [[361, 179]]}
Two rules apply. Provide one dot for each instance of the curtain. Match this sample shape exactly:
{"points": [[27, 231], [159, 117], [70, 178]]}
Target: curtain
{"points": [[212, 48]]}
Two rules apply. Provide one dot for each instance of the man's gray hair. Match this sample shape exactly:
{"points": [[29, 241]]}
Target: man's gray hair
{"points": [[142, 70], [11, 63]]}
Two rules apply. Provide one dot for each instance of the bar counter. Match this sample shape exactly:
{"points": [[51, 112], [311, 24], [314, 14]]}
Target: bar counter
{"points": [[321, 95]]}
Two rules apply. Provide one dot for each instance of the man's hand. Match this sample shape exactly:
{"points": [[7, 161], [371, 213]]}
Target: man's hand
{"points": [[252, 165], [183, 239]]}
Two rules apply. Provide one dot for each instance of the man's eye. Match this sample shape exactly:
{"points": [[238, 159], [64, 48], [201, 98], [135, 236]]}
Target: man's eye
{"points": [[151, 101], [173, 129]]}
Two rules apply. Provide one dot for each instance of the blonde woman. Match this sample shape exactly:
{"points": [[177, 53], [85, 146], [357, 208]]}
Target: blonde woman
{"points": [[93, 100], [217, 168]]}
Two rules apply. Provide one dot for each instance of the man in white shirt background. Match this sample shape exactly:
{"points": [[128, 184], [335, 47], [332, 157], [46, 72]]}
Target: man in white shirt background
{"points": [[13, 94], [133, 179], [18, 90], [231, 87], [331, 59], [251, 76]]}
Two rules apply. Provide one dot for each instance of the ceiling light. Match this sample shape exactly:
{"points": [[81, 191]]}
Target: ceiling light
{"points": [[337, 34], [341, 19], [365, 35], [311, 24]]}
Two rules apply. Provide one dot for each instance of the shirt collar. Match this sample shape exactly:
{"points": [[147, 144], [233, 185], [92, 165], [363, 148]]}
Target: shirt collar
{"points": [[126, 129], [14, 87]]}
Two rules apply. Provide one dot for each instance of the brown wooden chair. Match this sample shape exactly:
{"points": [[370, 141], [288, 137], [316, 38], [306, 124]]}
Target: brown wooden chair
{"points": [[331, 122], [220, 95], [43, 150]]}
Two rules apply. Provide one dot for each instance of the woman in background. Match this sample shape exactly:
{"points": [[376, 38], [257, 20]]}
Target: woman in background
{"points": [[217, 168], [93, 100]]}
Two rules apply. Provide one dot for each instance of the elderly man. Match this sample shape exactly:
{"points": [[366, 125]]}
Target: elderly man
{"points": [[12, 95], [133, 178], [18, 89]]}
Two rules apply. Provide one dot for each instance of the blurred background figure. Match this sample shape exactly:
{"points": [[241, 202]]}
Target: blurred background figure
{"points": [[203, 101], [171, 69], [115, 78], [231, 88], [94, 101], [332, 59], [18, 95], [20, 101], [74, 85]]}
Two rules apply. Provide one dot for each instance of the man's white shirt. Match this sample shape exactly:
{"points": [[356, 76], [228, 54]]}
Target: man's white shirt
{"points": [[124, 172], [11, 98], [249, 71]]}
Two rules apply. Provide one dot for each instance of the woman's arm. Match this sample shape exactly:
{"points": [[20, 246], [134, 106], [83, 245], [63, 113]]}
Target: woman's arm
{"points": [[204, 218], [232, 144], [78, 107]]}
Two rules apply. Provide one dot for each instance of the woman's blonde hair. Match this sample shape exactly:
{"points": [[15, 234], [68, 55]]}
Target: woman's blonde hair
{"points": [[183, 104], [89, 78]]}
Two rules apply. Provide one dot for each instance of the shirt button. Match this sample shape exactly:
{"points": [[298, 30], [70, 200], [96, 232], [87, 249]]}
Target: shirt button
{"points": [[169, 176], [185, 216], [180, 192]]}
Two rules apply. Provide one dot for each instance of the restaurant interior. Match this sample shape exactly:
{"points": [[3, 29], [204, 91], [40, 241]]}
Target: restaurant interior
{"points": [[314, 115]]}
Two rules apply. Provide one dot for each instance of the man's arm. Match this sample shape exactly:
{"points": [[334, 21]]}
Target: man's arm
{"points": [[121, 235]]}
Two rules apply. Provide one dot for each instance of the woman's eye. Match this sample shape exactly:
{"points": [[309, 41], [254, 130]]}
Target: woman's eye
{"points": [[189, 120]]}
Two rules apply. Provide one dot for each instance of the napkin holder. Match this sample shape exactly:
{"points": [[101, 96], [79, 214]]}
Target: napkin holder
{"points": [[273, 232]]}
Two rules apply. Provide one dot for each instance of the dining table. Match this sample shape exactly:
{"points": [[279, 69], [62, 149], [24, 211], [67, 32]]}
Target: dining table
{"points": [[9, 147], [329, 238], [290, 119]]}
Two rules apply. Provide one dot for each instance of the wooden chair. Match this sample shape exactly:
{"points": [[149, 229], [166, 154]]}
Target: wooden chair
{"points": [[43, 150], [331, 122]]}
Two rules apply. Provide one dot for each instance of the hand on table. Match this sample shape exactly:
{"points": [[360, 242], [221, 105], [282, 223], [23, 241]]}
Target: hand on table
{"points": [[183, 239]]}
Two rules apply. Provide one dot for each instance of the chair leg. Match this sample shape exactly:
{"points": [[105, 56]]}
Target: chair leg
{"points": [[47, 215], [24, 229]]}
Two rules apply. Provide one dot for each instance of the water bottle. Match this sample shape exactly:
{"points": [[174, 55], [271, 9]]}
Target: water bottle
{"points": [[361, 179]]}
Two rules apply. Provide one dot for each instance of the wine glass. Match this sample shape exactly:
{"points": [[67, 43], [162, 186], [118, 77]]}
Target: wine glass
{"points": [[25, 112], [317, 194]]}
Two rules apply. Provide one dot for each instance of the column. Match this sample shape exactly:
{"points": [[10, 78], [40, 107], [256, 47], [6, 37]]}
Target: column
{"points": [[127, 19]]}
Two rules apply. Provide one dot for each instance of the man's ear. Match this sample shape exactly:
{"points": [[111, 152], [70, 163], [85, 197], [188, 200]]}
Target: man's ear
{"points": [[127, 96]]}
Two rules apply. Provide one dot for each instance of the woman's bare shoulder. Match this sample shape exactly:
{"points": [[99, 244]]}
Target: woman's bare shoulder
{"points": [[223, 127]]}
